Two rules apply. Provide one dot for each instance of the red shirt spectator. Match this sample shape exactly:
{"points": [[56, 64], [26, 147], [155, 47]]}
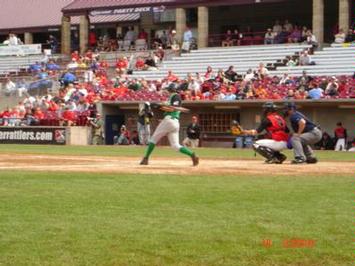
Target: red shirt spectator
{"points": [[75, 56], [140, 64], [143, 35], [171, 76], [92, 39]]}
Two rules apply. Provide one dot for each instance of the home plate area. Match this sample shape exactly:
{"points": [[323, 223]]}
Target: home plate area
{"points": [[159, 165]]}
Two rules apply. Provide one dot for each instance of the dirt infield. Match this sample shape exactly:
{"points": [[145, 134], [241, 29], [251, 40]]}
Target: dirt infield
{"points": [[180, 166]]}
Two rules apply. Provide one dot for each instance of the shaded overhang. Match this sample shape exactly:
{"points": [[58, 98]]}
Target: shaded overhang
{"points": [[80, 7]]}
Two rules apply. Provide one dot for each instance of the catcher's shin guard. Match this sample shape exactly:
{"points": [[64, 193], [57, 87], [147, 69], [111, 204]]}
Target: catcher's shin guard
{"points": [[266, 152]]}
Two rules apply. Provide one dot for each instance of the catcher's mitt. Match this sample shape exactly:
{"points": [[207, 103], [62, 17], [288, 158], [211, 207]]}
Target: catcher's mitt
{"points": [[236, 128]]}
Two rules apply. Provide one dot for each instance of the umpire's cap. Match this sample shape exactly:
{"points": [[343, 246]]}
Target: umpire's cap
{"points": [[269, 107], [290, 106]]}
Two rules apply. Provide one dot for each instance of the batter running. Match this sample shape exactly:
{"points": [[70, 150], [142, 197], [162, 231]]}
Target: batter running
{"points": [[169, 127]]}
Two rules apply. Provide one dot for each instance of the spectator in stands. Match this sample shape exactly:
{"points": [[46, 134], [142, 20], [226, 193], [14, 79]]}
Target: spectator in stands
{"points": [[52, 66], [228, 39], [53, 44], [285, 79], [350, 37], [311, 39], [92, 39], [340, 136], [209, 75], [282, 37], [305, 59], [269, 37], [36, 67], [21, 88], [250, 75], [143, 35], [315, 92], [340, 37], [10, 87], [290, 61], [68, 78], [262, 71], [288, 26], [277, 28], [174, 42], [73, 65], [187, 38], [159, 53], [230, 74], [304, 32], [140, 65], [164, 38], [171, 77], [130, 37], [332, 87], [13, 40], [237, 37], [122, 65], [150, 63], [295, 36]]}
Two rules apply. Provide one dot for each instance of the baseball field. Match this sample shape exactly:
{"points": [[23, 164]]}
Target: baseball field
{"points": [[96, 206]]}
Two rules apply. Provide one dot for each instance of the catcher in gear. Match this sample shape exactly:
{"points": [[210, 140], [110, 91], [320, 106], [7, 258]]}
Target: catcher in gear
{"points": [[169, 127], [277, 131]]}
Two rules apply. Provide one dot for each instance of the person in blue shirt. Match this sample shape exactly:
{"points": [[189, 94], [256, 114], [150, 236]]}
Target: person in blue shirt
{"points": [[52, 66], [36, 67], [68, 78], [306, 133], [315, 93]]}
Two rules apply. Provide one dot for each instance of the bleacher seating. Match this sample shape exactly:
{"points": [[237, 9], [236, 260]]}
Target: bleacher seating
{"points": [[330, 61], [242, 58], [15, 64]]}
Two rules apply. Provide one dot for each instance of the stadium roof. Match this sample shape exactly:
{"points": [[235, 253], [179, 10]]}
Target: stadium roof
{"points": [[27, 14], [79, 6]]}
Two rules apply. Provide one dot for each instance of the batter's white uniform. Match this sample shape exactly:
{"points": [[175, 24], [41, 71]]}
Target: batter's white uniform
{"points": [[170, 125]]}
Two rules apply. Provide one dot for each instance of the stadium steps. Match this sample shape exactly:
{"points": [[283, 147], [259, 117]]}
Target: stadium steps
{"points": [[242, 58], [333, 60]]}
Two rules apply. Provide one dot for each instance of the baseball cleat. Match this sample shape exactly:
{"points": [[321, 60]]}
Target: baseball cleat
{"points": [[144, 161], [312, 160], [195, 160], [298, 160], [280, 158]]}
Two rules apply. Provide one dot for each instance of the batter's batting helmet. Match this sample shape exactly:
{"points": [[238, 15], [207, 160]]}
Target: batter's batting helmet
{"points": [[172, 87]]}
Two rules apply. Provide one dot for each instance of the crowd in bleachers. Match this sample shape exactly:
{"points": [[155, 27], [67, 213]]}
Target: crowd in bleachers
{"points": [[85, 81]]}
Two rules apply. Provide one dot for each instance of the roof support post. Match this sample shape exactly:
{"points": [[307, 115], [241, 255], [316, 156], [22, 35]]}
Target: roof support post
{"points": [[318, 20], [65, 40], [28, 38], [344, 15], [84, 33], [202, 12], [180, 23]]}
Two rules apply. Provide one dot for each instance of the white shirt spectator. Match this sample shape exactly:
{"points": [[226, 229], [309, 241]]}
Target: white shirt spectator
{"points": [[13, 40], [10, 87], [194, 86]]}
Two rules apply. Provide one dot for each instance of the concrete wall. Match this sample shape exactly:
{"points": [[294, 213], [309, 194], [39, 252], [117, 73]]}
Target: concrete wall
{"points": [[78, 136]]}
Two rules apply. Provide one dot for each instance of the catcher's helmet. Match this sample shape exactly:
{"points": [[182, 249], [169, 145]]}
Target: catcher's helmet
{"points": [[269, 107]]}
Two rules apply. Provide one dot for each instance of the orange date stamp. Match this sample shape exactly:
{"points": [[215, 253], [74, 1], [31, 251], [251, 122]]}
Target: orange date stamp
{"points": [[291, 243]]}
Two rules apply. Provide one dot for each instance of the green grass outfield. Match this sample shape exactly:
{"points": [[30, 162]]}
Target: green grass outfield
{"points": [[125, 219]]}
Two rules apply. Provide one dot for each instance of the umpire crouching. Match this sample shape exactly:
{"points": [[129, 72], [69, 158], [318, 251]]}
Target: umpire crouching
{"points": [[306, 133]]}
